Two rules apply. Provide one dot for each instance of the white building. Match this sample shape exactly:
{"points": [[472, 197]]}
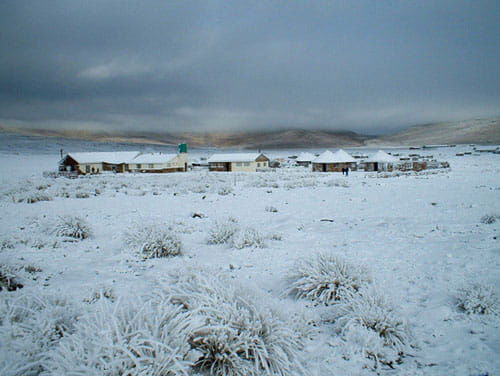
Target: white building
{"points": [[334, 162], [125, 161], [380, 161], [238, 162], [305, 159]]}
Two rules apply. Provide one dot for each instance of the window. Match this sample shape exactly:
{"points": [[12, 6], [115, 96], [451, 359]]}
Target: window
{"points": [[246, 164], [87, 169], [258, 164], [151, 165], [238, 163], [138, 165]]}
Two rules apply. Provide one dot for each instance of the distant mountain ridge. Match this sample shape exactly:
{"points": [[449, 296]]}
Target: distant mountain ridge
{"points": [[243, 140], [479, 131]]}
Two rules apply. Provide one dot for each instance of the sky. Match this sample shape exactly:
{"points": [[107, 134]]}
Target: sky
{"points": [[371, 67]]}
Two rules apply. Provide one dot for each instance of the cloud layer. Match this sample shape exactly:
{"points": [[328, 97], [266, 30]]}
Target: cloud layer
{"points": [[368, 66]]}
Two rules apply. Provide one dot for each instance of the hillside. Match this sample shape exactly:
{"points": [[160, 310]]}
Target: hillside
{"points": [[478, 131], [243, 140]]}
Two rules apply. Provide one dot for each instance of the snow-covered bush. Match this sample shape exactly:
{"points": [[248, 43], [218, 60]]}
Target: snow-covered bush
{"points": [[31, 325], [153, 241], [275, 236], [489, 218], [478, 299], [225, 190], [337, 183], [201, 188], [72, 227], [103, 292], [143, 337], [36, 197], [236, 335], [326, 279], [247, 238], [82, 195], [271, 209], [222, 232], [8, 278], [370, 325]]}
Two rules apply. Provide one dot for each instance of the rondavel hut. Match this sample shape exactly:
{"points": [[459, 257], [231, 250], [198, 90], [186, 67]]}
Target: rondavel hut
{"points": [[380, 161], [305, 159], [334, 162]]}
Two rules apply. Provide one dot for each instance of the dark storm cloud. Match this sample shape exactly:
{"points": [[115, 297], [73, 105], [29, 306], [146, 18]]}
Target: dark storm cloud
{"points": [[369, 66]]}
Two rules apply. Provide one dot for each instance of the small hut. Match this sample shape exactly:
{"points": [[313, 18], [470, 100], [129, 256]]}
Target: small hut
{"points": [[305, 159], [380, 161], [238, 162], [334, 162]]}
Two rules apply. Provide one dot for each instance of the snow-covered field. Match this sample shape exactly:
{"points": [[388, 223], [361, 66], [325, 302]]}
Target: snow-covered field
{"points": [[285, 272]]}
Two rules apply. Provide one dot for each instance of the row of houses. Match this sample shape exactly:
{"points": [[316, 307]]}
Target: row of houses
{"points": [[94, 163], [379, 161], [124, 161]]}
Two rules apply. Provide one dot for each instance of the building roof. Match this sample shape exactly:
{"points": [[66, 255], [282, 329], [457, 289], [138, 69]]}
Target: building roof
{"points": [[339, 156], [305, 157], [122, 157], [107, 157], [234, 157], [382, 156], [153, 158]]}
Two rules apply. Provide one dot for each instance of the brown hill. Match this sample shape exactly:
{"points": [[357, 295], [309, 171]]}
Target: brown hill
{"points": [[243, 140], [478, 131]]}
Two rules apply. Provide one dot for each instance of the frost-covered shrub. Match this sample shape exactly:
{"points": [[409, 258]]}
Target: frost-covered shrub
{"points": [[479, 299], [8, 278], [36, 197], [326, 279], [489, 218], [153, 241], [7, 243], [31, 325], [143, 337], [275, 236], [82, 195], [337, 183], [225, 190], [236, 335], [370, 325], [72, 227], [271, 209], [201, 188], [103, 292], [222, 232], [247, 238]]}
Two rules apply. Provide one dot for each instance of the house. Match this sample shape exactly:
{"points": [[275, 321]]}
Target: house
{"points": [[158, 162], [238, 162], [380, 161], [334, 162], [124, 161], [305, 159]]}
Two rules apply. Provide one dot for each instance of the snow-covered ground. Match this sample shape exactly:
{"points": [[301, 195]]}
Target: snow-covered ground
{"points": [[419, 239]]}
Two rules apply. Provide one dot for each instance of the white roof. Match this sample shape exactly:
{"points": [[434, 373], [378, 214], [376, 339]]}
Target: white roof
{"points": [[305, 157], [119, 157], [382, 156], [153, 158], [338, 157], [116, 157], [234, 157]]}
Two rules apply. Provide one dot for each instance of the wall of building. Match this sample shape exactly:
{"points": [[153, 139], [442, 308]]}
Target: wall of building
{"points": [[334, 167], [86, 168]]}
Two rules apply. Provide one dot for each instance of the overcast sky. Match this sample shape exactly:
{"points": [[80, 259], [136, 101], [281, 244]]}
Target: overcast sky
{"points": [[368, 66]]}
